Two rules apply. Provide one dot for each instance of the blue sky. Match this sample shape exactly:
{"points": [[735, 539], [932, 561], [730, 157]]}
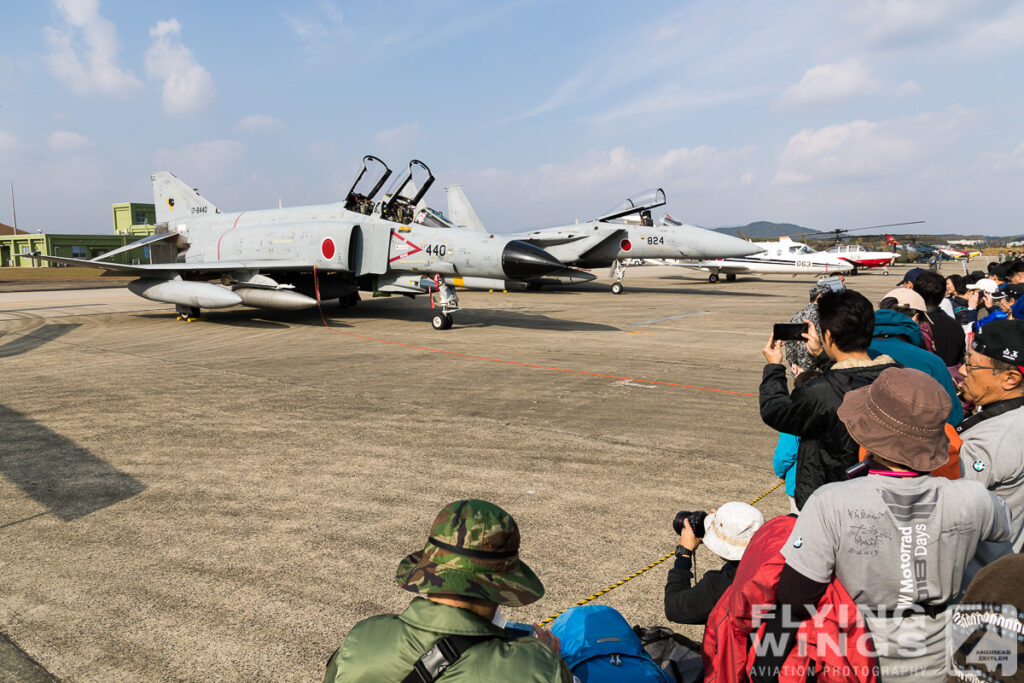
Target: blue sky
{"points": [[826, 114]]}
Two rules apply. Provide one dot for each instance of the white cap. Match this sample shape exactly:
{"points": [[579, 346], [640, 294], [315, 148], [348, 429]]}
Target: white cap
{"points": [[727, 531], [986, 285]]}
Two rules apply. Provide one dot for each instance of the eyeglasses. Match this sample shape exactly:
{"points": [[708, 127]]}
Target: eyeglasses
{"points": [[968, 366]]}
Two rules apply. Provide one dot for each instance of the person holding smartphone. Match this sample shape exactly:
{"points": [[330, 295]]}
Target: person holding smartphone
{"points": [[809, 412]]}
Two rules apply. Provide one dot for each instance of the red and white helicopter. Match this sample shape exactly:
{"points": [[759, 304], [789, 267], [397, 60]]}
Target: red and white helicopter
{"points": [[859, 256]]}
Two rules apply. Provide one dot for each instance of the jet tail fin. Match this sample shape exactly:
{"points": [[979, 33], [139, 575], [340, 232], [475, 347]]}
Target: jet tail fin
{"points": [[460, 211], [176, 200]]}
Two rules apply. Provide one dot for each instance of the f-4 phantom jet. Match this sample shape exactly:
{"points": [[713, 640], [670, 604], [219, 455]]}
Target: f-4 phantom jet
{"points": [[625, 233], [289, 258]]}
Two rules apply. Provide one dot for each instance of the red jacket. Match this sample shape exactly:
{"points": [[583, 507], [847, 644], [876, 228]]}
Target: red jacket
{"points": [[727, 652]]}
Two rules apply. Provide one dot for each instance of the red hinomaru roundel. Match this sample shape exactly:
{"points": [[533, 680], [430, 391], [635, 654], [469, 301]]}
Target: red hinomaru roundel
{"points": [[327, 248], [626, 245]]}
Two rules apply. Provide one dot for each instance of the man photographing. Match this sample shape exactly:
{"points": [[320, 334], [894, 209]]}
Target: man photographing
{"points": [[847, 320], [725, 532]]}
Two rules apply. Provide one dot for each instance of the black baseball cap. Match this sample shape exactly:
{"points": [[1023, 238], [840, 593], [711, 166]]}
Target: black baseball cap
{"points": [[912, 275], [1014, 291], [1002, 340]]}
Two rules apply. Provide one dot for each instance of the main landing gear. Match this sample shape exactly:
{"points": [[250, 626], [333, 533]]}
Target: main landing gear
{"points": [[729, 277], [188, 313], [447, 300], [713, 278], [618, 272]]}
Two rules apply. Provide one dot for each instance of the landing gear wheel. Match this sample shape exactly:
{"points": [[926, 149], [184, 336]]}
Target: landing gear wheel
{"points": [[853, 272], [616, 288], [713, 278], [441, 321], [730, 277], [188, 313], [350, 300]]}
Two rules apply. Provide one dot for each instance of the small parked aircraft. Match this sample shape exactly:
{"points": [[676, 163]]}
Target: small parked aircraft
{"points": [[782, 257]]}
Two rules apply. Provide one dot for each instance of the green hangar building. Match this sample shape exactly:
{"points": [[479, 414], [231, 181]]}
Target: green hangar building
{"points": [[131, 222]]}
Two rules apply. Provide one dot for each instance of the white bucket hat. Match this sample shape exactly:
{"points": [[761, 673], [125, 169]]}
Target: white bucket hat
{"points": [[727, 531]]}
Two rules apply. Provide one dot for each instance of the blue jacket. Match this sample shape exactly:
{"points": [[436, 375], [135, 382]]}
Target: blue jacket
{"points": [[990, 318], [889, 327], [784, 460]]}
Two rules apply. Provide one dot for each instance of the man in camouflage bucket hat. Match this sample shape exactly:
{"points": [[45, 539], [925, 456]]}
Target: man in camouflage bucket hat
{"points": [[469, 566]]}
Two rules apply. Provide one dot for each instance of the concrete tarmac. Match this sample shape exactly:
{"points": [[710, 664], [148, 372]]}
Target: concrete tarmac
{"points": [[224, 499]]}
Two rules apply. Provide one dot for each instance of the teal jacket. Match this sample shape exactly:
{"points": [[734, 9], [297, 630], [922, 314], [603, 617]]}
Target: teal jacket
{"points": [[890, 326], [384, 648]]}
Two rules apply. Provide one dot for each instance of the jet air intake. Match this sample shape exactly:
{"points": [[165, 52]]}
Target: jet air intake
{"points": [[522, 261]]}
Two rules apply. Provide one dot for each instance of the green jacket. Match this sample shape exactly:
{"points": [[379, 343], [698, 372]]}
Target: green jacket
{"points": [[385, 648]]}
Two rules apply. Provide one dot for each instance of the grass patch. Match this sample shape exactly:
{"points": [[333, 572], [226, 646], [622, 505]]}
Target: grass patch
{"points": [[58, 275]]}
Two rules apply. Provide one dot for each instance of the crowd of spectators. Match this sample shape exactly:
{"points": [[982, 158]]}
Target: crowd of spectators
{"points": [[901, 444]]}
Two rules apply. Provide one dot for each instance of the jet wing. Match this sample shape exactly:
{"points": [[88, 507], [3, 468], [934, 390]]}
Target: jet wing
{"points": [[211, 266], [151, 239], [577, 243]]}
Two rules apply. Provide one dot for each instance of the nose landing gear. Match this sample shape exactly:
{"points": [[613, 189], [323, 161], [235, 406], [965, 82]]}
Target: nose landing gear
{"points": [[618, 272], [447, 300]]}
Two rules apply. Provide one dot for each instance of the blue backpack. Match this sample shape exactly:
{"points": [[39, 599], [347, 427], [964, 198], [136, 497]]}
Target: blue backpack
{"points": [[601, 647]]}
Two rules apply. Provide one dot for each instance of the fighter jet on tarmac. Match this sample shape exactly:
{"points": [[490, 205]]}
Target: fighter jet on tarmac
{"points": [[609, 241], [291, 258]]}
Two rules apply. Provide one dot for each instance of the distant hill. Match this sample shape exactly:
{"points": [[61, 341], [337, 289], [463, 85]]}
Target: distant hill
{"points": [[765, 230]]}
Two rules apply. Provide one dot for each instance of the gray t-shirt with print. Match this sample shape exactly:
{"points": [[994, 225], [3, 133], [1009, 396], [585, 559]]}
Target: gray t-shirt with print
{"points": [[894, 543]]}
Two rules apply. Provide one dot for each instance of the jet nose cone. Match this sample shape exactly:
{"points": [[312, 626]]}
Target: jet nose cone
{"points": [[522, 260], [702, 243]]}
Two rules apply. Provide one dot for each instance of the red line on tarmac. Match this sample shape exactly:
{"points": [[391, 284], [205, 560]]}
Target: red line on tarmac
{"points": [[509, 362]]}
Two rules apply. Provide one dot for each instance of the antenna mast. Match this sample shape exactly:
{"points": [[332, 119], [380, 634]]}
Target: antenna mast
{"points": [[14, 210]]}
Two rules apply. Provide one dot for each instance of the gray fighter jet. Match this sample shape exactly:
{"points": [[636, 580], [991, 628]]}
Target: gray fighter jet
{"points": [[615, 238], [289, 258]]}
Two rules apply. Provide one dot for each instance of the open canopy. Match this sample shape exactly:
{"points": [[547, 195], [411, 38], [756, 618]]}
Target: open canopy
{"points": [[406, 191], [642, 201], [368, 183]]}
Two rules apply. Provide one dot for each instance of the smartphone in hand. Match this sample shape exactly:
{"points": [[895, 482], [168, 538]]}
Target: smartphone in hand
{"points": [[789, 331]]}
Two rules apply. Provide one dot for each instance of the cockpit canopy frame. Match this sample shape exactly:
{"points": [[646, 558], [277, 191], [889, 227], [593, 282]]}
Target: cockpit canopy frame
{"points": [[400, 207], [641, 203], [360, 199]]}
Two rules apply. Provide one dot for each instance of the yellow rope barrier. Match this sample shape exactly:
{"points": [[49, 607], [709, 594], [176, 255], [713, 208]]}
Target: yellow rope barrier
{"points": [[641, 571]]}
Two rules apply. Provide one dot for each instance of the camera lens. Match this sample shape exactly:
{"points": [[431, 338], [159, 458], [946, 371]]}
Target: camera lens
{"points": [[677, 523]]}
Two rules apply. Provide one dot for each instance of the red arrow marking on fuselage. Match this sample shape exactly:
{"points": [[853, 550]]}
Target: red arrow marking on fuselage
{"points": [[415, 248]]}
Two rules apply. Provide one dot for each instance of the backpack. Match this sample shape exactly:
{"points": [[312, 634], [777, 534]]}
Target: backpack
{"points": [[676, 654], [600, 647]]}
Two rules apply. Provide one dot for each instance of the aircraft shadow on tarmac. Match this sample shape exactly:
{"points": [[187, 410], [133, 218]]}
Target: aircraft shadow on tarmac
{"points": [[34, 339], [56, 472], [685, 287], [389, 309]]}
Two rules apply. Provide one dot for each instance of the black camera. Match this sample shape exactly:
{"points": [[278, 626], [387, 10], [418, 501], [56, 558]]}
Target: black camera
{"points": [[696, 518]]}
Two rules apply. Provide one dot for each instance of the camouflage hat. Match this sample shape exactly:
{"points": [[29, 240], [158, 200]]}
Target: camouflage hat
{"points": [[473, 551]]}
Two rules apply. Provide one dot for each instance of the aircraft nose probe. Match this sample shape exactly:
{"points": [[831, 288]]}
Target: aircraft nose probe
{"points": [[522, 261]]}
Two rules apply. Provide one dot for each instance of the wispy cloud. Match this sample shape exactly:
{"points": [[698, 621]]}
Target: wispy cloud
{"points": [[82, 52], [187, 86], [259, 124], [209, 160], [314, 28], [673, 98], [830, 84], [398, 138], [65, 141], [862, 149], [7, 141]]}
